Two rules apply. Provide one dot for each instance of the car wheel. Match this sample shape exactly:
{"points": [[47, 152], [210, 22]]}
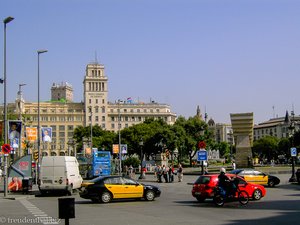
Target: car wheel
{"points": [[106, 197], [150, 196], [257, 194], [200, 199], [271, 183]]}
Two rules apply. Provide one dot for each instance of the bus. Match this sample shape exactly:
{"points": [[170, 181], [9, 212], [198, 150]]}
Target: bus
{"points": [[101, 163]]}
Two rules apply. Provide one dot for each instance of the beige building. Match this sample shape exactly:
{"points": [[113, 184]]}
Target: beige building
{"points": [[63, 115], [281, 127]]}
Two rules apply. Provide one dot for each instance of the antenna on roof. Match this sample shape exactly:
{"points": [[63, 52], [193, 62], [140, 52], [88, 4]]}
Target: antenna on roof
{"points": [[273, 107]]}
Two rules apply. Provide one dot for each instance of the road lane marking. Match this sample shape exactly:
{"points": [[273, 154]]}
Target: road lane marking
{"points": [[39, 214]]}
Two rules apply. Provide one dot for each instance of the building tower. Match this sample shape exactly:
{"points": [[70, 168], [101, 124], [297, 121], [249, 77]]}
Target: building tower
{"points": [[95, 95], [62, 92], [198, 113]]}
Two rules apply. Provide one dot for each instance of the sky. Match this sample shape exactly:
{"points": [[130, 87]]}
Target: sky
{"points": [[227, 56]]}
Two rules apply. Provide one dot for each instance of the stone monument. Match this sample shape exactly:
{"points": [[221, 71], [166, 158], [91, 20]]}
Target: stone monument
{"points": [[242, 126]]}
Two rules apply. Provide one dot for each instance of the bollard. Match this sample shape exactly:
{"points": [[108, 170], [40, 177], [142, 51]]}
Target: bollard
{"points": [[66, 209]]}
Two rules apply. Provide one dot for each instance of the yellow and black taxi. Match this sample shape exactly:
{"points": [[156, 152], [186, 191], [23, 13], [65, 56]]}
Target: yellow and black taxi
{"points": [[257, 177], [106, 188]]}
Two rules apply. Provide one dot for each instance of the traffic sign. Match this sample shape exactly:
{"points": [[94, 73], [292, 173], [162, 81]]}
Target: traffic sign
{"points": [[202, 155], [6, 148], [293, 151]]}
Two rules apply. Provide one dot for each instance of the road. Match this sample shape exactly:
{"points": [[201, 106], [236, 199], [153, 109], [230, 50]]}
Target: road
{"points": [[175, 206]]}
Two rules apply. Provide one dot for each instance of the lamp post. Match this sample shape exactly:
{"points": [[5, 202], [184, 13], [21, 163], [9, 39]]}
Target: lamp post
{"points": [[292, 128], [39, 136], [141, 143], [20, 117], [90, 108], [119, 130], [5, 21]]}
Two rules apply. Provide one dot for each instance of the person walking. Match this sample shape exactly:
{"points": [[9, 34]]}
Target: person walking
{"points": [[165, 173], [180, 173], [171, 174], [159, 174]]}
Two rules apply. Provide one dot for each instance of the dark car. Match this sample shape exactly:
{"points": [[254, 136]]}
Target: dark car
{"points": [[257, 177], [105, 189], [203, 187]]}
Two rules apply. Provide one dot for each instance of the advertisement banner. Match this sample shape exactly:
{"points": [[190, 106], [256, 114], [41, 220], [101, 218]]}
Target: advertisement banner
{"points": [[46, 134], [31, 134], [14, 129]]}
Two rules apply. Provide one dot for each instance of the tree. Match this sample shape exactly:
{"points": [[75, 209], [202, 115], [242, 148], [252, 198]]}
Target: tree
{"points": [[266, 147]]}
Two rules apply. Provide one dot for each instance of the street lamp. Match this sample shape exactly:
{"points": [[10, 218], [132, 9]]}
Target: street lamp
{"points": [[5, 21], [39, 138], [90, 108], [292, 128], [4, 81], [141, 143], [119, 130]]}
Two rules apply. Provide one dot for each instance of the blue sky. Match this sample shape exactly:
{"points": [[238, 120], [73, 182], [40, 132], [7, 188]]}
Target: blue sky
{"points": [[227, 56]]}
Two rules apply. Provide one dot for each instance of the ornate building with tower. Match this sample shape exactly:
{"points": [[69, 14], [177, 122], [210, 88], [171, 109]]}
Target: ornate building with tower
{"points": [[63, 115]]}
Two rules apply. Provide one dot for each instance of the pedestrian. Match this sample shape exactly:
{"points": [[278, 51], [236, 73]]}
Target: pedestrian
{"points": [[159, 174], [180, 173], [233, 165], [165, 173], [171, 174], [155, 172], [144, 170], [130, 171]]}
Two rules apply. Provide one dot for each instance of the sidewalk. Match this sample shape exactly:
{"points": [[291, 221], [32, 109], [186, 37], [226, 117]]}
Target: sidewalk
{"points": [[18, 195]]}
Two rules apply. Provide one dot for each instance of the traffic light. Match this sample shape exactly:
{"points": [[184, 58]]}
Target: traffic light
{"points": [[35, 156]]}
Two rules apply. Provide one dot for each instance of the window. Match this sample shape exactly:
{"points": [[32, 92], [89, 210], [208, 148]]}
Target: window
{"points": [[96, 118], [103, 118], [103, 109], [113, 180], [112, 118]]}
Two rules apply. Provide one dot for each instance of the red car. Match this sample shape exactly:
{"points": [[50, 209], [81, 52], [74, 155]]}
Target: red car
{"points": [[203, 187]]}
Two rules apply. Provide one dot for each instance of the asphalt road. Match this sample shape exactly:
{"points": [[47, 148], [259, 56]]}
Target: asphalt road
{"points": [[175, 206]]}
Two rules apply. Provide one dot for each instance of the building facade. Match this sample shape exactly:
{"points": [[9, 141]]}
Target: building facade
{"points": [[63, 115], [281, 127]]}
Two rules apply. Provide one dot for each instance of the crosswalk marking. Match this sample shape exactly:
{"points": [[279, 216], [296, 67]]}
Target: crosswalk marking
{"points": [[39, 214]]}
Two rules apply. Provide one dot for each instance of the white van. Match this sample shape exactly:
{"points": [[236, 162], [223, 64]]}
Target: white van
{"points": [[59, 173]]}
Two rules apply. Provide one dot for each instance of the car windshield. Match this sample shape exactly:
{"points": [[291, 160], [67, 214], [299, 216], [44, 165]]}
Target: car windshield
{"points": [[203, 180]]}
